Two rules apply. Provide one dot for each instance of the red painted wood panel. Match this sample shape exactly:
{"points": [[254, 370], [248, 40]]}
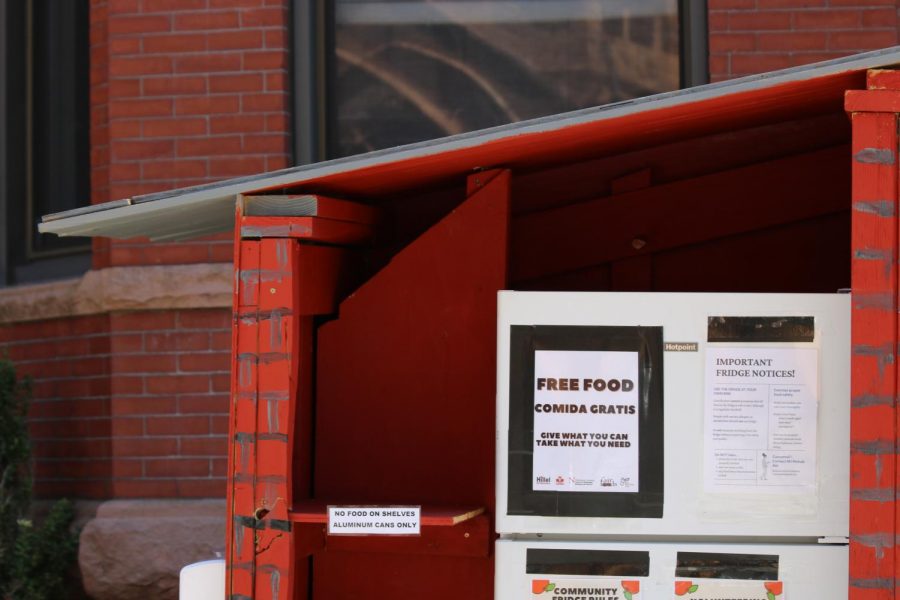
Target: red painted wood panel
{"points": [[586, 179], [873, 426], [266, 365], [568, 144], [241, 453], [405, 397], [805, 257], [278, 364], [719, 205]]}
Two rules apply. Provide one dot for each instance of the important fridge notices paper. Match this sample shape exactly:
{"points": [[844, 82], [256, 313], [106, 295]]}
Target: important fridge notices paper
{"points": [[760, 420], [586, 421]]}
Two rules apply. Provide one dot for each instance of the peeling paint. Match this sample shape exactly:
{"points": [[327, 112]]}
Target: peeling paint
{"points": [[243, 440], [272, 399], [244, 478], [883, 354], [267, 358], [874, 156], [275, 338], [281, 253], [250, 285], [877, 254], [881, 583], [275, 583], [874, 254], [250, 395], [272, 413], [238, 535], [277, 479], [864, 400], [245, 370], [874, 495], [264, 358], [257, 276], [878, 447], [252, 316], [261, 231], [882, 208], [882, 301], [877, 541]]}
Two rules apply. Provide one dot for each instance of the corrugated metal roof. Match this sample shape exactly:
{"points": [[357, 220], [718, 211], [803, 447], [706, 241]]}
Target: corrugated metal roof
{"points": [[206, 209]]}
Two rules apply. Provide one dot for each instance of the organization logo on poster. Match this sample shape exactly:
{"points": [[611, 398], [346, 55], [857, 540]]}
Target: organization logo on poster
{"points": [[543, 480]]}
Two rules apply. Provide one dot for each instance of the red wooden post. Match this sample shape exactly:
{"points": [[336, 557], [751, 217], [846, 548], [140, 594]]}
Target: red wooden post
{"points": [[280, 283], [874, 373]]}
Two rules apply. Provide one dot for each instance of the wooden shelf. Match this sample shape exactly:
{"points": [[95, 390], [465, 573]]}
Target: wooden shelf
{"points": [[445, 531], [432, 516]]}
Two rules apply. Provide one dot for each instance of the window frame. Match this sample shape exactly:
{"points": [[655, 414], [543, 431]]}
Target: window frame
{"points": [[20, 261], [312, 26]]}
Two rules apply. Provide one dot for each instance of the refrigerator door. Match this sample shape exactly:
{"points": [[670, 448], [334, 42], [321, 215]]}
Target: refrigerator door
{"points": [[716, 415], [657, 571]]}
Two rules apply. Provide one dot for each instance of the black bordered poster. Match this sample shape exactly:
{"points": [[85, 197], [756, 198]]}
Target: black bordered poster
{"points": [[586, 421]]}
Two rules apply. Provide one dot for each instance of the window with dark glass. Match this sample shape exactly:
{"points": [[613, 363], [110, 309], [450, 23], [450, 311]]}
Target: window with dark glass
{"points": [[46, 120], [402, 71]]}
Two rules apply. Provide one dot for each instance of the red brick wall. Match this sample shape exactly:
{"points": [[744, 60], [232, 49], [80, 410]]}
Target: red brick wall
{"points": [[68, 360], [182, 92], [128, 404], [169, 403], [753, 36], [185, 92]]}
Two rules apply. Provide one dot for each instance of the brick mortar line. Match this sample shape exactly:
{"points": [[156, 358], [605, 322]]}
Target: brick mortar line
{"points": [[137, 478], [26, 343], [125, 396], [131, 417]]}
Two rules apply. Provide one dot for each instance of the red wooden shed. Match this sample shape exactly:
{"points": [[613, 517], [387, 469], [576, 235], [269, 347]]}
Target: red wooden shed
{"points": [[365, 302]]}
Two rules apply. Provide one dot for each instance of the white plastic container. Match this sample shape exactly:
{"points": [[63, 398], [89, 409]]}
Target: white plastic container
{"points": [[203, 580]]}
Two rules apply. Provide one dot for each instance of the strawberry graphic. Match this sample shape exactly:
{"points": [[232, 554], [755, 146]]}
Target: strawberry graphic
{"points": [[631, 587], [685, 587], [774, 589], [539, 586]]}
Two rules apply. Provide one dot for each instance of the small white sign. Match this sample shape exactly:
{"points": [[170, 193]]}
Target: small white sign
{"points": [[374, 520]]}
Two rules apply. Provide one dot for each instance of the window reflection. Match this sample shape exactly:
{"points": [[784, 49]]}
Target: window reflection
{"points": [[409, 70]]}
